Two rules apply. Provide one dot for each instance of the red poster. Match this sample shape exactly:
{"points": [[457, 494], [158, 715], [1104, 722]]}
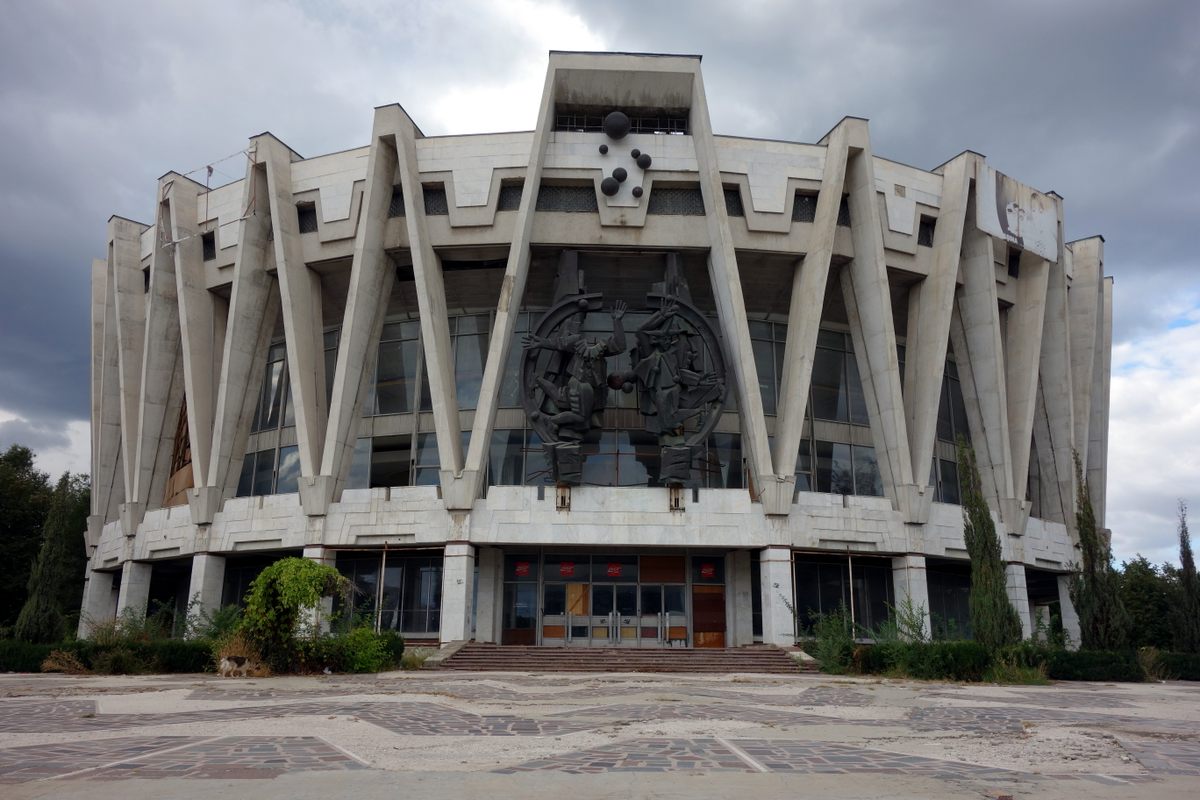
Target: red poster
{"points": [[708, 571], [566, 569], [614, 569], [522, 569]]}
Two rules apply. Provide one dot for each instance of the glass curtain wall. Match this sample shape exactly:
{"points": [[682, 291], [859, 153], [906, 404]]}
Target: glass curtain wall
{"points": [[861, 586], [392, 591]]}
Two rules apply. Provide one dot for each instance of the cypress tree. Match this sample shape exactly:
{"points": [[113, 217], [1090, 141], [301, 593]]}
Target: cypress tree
{"points": [[993, 618], [1095, 591], [56, 582], [1187, 622]]}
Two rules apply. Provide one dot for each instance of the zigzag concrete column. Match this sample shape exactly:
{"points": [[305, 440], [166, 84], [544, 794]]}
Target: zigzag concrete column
{"points": [[512, 292], [1085, 303], [371, 277], [197, 322], [911, 585], [253, 304], [804, 313], [106, 405], [778, 596], [128, 287], [1070, 619], [435, 324], [1018, 595], [930, 309], [1023, 346], [98, 605], [1053, 415], [775, 491], [458, 583], [207, 583], [869, 311], [300, 295], [1097, 459], [135, 589], [976, 334]]}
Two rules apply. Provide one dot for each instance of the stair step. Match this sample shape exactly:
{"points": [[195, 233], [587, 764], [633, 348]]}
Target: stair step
{"points": [[524, 658]]}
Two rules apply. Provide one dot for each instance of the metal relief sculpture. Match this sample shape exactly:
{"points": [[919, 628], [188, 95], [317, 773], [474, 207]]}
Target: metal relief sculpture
{"points": [[676, 368]]}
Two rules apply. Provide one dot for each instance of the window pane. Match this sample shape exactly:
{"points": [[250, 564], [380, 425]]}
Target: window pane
{"points": [[470, 353], [828, 382], [724, 466], [945, 426], [510, 383], [856, 400], [554, 598], [867, 480], [267, 416], [360, 465], [958, 411], [505, 467], [390, 461], [537, 466], [330, 365], [808, 594], [287, 480], [395, 376], [764, 363], [246, 479], [950, 493], [264, 471]]}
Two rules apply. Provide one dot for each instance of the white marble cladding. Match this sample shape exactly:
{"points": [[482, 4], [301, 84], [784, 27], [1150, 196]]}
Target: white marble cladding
{"points": [[768, 165], [471, 161], [903, 187], [333, 177], [598, 517]]}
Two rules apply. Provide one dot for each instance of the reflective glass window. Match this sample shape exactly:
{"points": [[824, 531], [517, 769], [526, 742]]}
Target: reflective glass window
{"points": [[506, 458], [360, 465], [867, 480], [287, 480], [470, 355]]}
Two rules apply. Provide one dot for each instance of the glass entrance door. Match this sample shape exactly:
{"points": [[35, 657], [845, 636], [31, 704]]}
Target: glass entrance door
{"points": [[662, 618], [614, 617]]}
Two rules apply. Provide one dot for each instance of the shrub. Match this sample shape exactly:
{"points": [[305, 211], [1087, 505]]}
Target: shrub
{"points": [[416, 657], [955, 661], [1011, 667], [1094, 665], [120, 660], [182, 655], [237, 643], [1179, 666], [17, 656], [834, 641], [365, 651], [393, 642], [63, 661], [275, 601]]}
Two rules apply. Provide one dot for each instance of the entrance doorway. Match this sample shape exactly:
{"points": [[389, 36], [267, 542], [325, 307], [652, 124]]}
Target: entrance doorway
{"points": [[580, 600]]}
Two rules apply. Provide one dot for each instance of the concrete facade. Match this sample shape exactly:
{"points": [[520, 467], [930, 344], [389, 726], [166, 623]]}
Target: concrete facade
{"points": [[322, 259]]}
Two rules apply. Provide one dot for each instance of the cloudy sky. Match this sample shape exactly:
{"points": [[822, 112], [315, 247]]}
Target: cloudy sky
{"points": [[1099, 101]]}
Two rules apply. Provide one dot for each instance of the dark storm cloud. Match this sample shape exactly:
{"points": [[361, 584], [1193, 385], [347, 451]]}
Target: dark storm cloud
{"points": [[37, 436], [1098, 101]]}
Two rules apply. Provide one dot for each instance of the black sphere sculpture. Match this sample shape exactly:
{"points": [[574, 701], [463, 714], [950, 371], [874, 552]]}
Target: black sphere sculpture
{"points": [[635, 153], [620, 174], [644, 161], [637, 191], [609, 186], [603, 149], [616, 125]]}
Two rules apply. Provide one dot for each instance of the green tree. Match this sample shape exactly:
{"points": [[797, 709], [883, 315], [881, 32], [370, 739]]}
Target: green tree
{"points": [[993, 619], [1148, 595], [56, 582], [1095, 591], [24, 502], [276, 600], [1187, 610]]}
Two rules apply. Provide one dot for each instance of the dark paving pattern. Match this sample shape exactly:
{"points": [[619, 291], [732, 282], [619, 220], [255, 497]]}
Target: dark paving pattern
{"points": [[640, 712], [642, 755], [1166, 757], [996, 719], [19, 764], [235, 757], [1049, 698]]}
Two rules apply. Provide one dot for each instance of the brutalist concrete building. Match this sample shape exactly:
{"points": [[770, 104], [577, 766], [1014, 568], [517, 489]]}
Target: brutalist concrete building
{"points": [[616, 381]]}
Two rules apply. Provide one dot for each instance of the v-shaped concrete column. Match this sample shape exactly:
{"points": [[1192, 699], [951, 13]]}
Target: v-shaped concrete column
{"points": [[129, 293], [869, 311], [106, 404], [808, 297], [1097, 454], [930, 308], [300, 296], [1085, 303], [371, 277], [1053, 420]]}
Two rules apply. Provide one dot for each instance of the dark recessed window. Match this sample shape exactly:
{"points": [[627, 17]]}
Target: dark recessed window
{"points": [[684, 201], [510, 197], [925, 231], [435, 200], [209, 242], [396, 206], [570, 199], [844, 211], [804, 208], [146, 280], [733, 202], [306, 216], [592, 121], [1014, 262]]}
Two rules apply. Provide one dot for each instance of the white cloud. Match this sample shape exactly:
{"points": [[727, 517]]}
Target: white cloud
{"points": [[57, 447], [1153, 459]]}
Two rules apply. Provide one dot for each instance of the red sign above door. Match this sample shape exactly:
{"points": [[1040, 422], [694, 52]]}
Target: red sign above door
{"points": [[614, 569], [566, 569], [521, 569], [708, 571]]}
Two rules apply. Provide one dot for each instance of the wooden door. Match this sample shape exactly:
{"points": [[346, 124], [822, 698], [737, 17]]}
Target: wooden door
{"points": [[708, 616]]}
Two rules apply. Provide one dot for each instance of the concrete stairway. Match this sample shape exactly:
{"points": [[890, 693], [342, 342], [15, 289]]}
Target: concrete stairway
{"points": [[495, 658]]}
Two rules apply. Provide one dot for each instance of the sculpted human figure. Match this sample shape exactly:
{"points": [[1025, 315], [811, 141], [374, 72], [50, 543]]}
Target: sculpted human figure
{"points": [[580, 399]]}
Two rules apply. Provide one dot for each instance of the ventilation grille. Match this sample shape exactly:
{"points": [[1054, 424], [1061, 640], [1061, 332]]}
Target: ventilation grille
{"points": [[396, 206], [570, 199], [677, 201], [733, 202], [435, 201], [510, 197]]}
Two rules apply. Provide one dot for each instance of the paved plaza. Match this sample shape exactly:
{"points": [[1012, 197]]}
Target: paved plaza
{"points": [[511, 734]]}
